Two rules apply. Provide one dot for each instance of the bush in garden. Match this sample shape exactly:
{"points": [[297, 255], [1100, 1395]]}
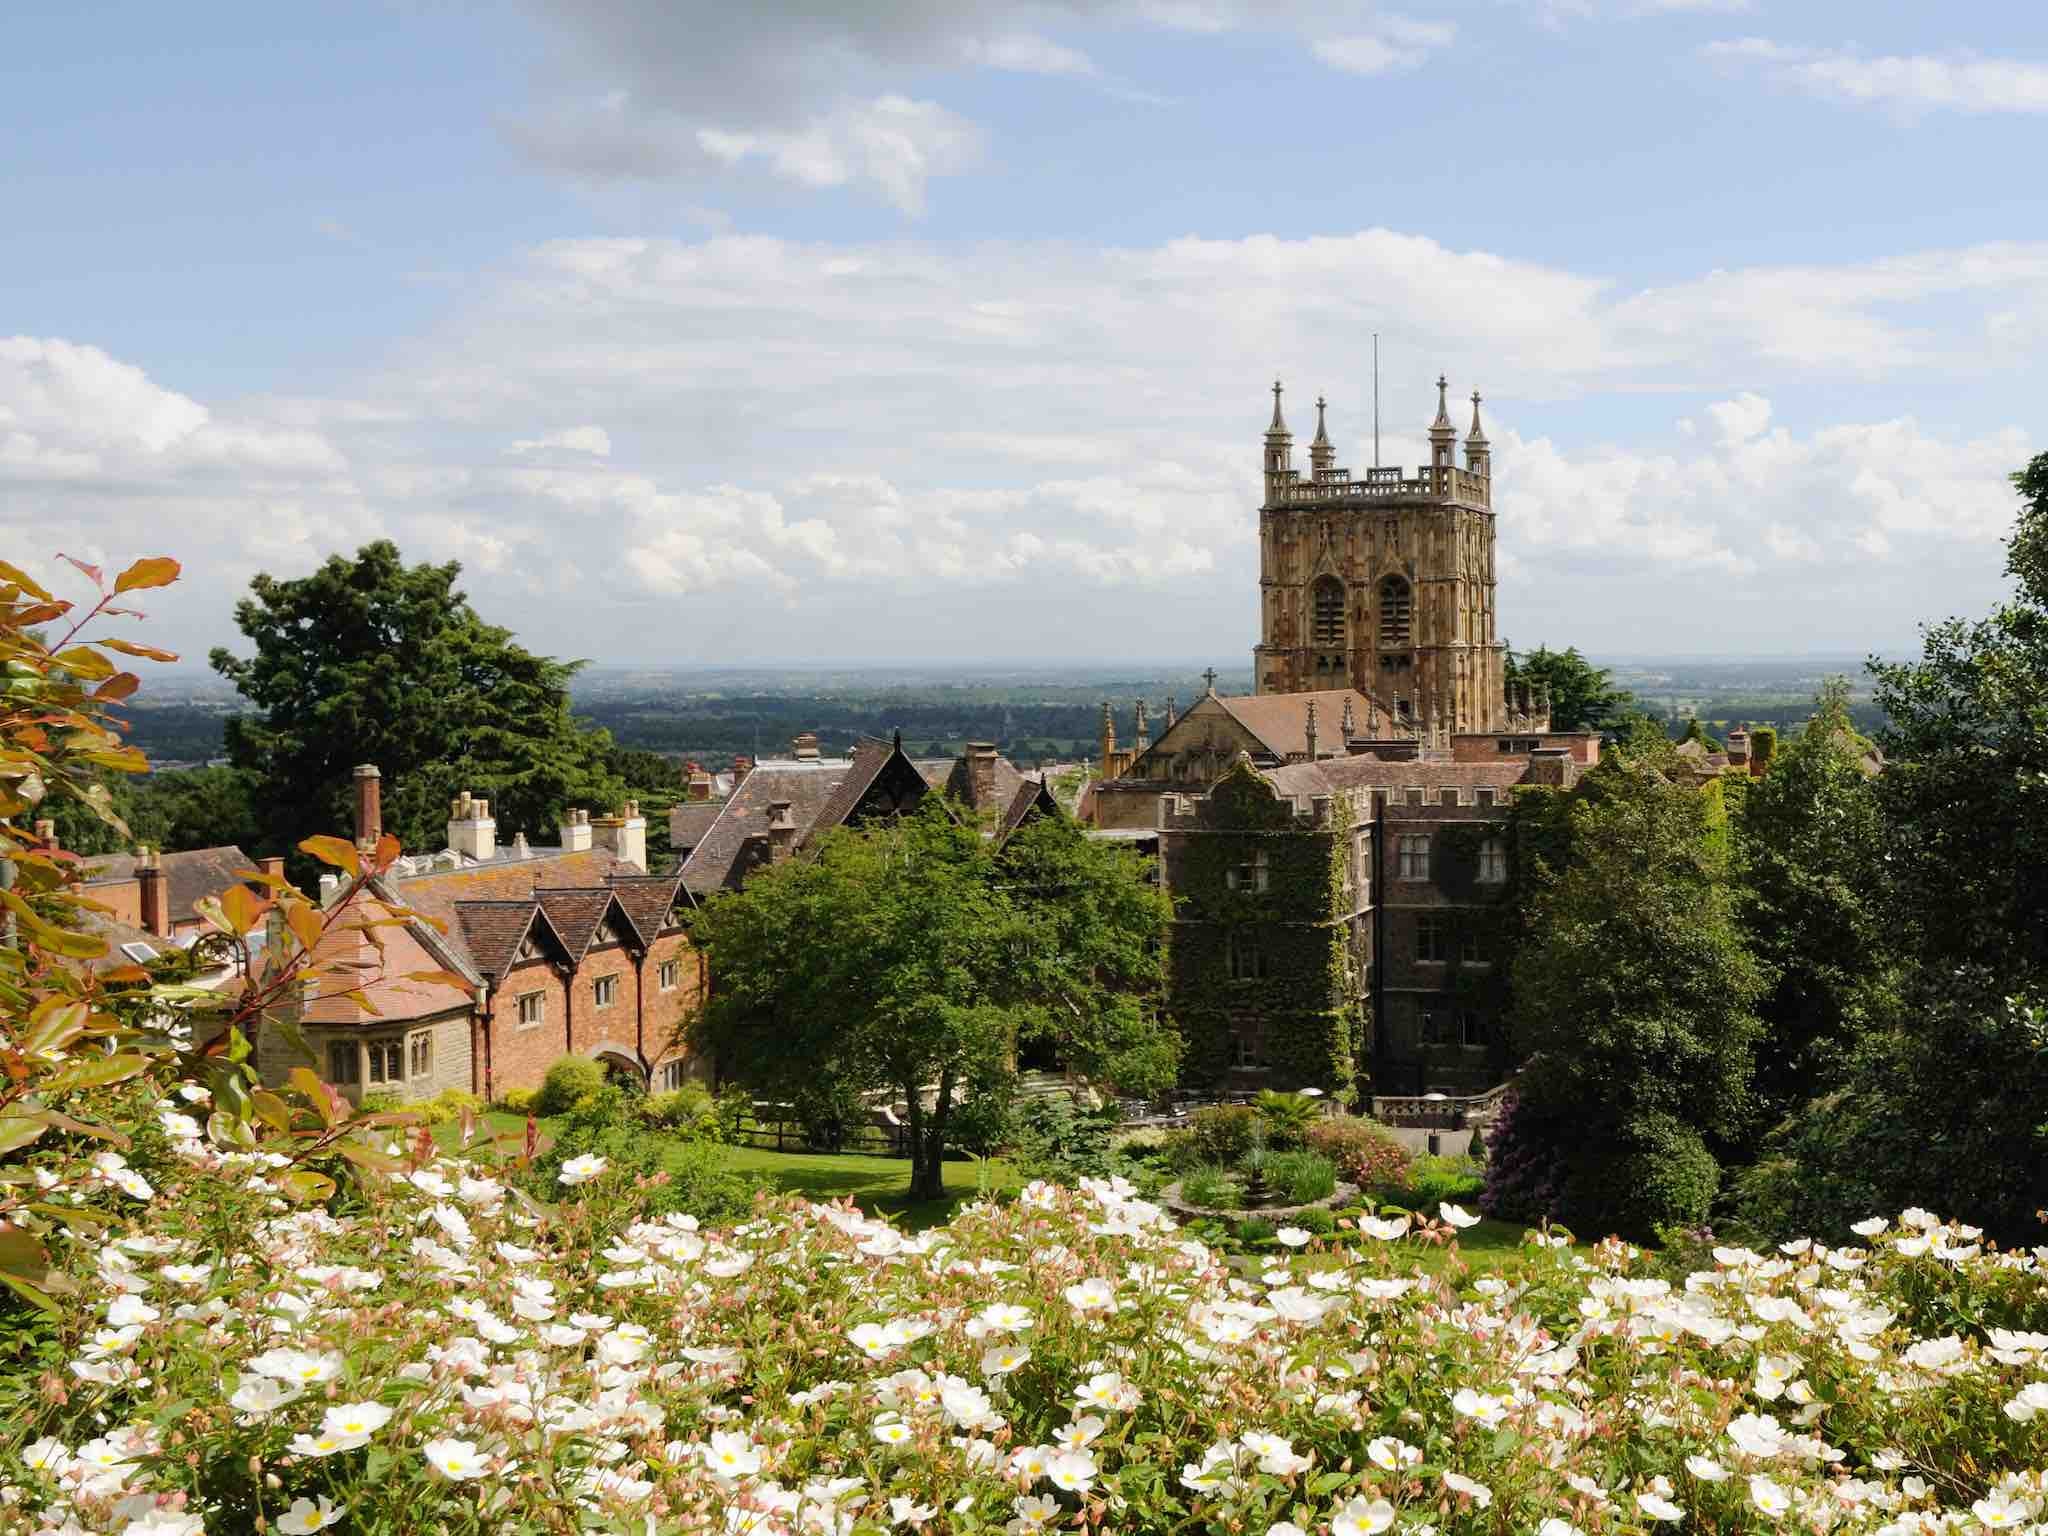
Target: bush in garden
{"points": [[1524, 1180], [1286, 1117], [1658, 1173], [570, 1078], [1223, 1133], [1301, 1177], [518, 1101], [1365, 1152], [1051, 1137], [1210, 1186], [1432, 1180], [689, 1178], [829, 1111], [689, 1109], [1316, 1219]]}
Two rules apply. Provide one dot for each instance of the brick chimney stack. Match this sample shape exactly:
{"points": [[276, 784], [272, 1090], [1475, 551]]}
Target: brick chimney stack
{"points": [[156, 905], [700, 782], [981, 774], [272, 864], [1553, 766], [46, 833], [781, 831], [369, 806], [805, 747]]}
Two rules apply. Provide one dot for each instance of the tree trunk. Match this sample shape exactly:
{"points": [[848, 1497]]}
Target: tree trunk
{"points": [[928, 1153]]}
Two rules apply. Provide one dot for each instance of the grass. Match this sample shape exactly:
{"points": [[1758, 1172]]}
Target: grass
{"points": [[878, 1185]]}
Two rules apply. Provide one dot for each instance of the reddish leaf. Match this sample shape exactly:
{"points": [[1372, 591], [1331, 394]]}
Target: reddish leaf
{"points": [[92, 572], [117, 687]]}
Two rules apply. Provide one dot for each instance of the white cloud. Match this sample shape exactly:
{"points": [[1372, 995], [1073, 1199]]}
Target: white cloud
{"points": [[1957, 82], [591, 440], [892, 141], [1742, 418], [1026, 53], [1390, 43]]}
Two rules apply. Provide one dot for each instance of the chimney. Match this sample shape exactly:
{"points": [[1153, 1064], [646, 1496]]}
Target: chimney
{"points": [[805, 747], [46, 833], [519, 848], [471, 831], [1310, 730], [273, 865], [981, 774], [781, 831], [330, 889], [369, 806], [1553, 766], [741, 767], [575, 830], [1738, 747], [701, 783], [156, 905], [624, 834]]}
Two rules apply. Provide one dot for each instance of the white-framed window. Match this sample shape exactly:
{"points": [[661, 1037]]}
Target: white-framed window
{"points": [[420, 1048], [1248, 1050], [1246, 957], [533, 1009], [344, 1064], [1412, 856], [1493, 861], [672, 1075], [1248, 873], [668, 975], [604, 991], [1432, 938], [1475, 944], [387, 1061]]}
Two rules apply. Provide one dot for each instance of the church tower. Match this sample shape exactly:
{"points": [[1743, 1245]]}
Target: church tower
{"points": [[1383, 584]]}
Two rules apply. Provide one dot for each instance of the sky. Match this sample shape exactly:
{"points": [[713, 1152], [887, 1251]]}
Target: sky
{"points": [[916, 330]]}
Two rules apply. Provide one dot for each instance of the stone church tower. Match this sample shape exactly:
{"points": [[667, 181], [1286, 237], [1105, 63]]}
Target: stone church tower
{"points": [[1382, 584]]}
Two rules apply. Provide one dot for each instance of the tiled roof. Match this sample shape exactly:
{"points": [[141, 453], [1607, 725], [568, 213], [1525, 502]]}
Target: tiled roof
{"points": [[648, 900], [576, 912], [1335, 773], [380, 975], [1031, 795], [1280, 720], [949, 775], [807, 786], [689, 821], [869, 758], [188, 876], [491, 932], [436, 895]]}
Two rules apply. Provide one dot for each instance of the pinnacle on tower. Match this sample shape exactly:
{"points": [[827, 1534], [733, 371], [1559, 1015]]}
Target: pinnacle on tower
{"points": [[1279, 426], [1322, 455], [1478, 433], [1349, 724], [1442, 425]]}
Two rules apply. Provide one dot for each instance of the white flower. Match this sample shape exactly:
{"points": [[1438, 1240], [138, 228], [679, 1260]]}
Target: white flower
{"points": [[1362, 1517], [1999, 1510], [1456, 1215], [1478, 1493], [1277, 1456], [1658, 1507], [1073, 1471], [581, 1170], [732, 1455], [1035, 1511], [893, 1432], [1003, 1359], [1385, 1228], [306, 1517], [1768, 1496], [362, 1419], [1556, 1527], [326, 1443], [1295, 1237], [1285, 1528], [297, 1366], [1091, 1295], [2033, 1399], [1773, 1372], [454, 1459], [1005, 1317], [1706, 1469], [1870, 1226], [1393, 1454], [1106, 1389], [903, 1511]]}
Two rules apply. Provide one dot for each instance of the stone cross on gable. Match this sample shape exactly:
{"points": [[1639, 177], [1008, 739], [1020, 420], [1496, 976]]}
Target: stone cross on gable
{"points": [[1209, 677]]}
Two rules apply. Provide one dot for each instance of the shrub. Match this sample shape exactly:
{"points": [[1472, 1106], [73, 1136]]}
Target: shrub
{"points": [[518, 1101], [1254, 1230], [1524, 1178], [688, 1177], [828, 1111], [1365, 1152], [1223, 1133], [568, 1080], [383, 1102], [1286, 1117], [1435, 1179], [1210, 1186], [1657, 1173], [1053, 1138], [1302, 1176], [689, 1109], [1316, 1219]]}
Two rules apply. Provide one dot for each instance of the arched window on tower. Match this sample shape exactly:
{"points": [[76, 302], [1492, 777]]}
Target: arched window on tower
{"points": [[1328, 630], [1396, 615]]}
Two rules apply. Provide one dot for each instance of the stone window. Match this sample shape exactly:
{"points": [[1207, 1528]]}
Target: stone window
{"points": [[1475, 945], [668, 975], [1328, 623], [1412, 852], [387, 1061], [421, 1049], [1248, 873], [672, 1073], [344, 1064], [1248, 1050], [533, 1008], [1246, 958], [1472, 1031], [1435, 1026], [1493, 861], [604, 991], [1432, 938], [1396, 614]]}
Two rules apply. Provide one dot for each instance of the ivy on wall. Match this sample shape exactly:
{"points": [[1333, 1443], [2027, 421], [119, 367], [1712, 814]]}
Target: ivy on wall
{"points": [[1301, 1008]]}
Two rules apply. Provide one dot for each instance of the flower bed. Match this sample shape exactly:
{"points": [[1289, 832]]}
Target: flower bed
{"points": [[1170, 1198], [439, 1353]]}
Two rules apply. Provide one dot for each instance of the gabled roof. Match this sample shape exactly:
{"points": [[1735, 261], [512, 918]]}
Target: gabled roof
{"points": [[188, 876], [648, 900], [1280, 720], [437, 895], [380, 974], [576, 913], [492, 933], [1032, 797], [869, 759], [807, 785]]}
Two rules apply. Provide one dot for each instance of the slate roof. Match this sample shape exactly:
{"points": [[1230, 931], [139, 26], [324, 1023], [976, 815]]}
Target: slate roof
{"points": [[188, 876], [869, 759], [1337, 773], [490, 933], [1280, 720], [575, 913], [648, 900], [380, 975], [690, 820], [807, 785], [1031, 795]]}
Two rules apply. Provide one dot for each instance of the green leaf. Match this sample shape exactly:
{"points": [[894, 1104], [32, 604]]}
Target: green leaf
{"points": [[306, 1185], [97, 1072], [17, 1131]]}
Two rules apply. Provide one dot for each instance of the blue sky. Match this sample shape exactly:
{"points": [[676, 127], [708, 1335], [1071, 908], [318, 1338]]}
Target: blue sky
{"points": [[801, 330]]}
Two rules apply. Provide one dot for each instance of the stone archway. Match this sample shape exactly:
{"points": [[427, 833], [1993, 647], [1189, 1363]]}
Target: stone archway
{"points": [[621, 1069]]}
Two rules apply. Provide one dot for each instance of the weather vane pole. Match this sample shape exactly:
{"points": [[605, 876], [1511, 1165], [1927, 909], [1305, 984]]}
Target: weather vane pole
{"points": [[1375, 399]]}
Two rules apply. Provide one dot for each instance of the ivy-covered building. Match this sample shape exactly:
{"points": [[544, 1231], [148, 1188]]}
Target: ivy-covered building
{"points": [[1337, 922]]}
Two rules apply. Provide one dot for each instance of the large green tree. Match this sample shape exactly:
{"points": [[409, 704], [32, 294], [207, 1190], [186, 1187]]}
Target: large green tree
{"points": [[1582, 696], [1811, 845], [172, 811], [912, 958], [369, 660], [1634, 1002]]}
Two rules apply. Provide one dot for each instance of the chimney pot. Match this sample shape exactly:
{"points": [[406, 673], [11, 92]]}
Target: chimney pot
{"points": [[46, 832], [155, 900], [369, 805]]}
